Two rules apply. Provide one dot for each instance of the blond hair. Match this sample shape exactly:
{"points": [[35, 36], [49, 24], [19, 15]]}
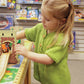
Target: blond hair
{"points": [[61, 9]]}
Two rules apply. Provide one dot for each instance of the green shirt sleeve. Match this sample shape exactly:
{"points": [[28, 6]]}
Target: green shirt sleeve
{"points": [[31, 33], [57, 53]]}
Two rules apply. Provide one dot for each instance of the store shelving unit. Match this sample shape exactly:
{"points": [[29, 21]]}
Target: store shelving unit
{"points": [[26, 21]]}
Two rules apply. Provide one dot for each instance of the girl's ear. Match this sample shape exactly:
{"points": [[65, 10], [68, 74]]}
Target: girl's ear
{"points": [[63, 21]]}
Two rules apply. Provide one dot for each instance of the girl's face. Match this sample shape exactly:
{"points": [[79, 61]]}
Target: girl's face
{"points": [[49, 22]]}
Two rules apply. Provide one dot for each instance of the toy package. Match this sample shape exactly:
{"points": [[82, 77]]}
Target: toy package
{"points": [[32, 14], [74, 40], [76, 2], [9, 76], [6, 21], [22, 13], [73, 44], [3, 3], [20, 1], [11, 4], [79, 15]]}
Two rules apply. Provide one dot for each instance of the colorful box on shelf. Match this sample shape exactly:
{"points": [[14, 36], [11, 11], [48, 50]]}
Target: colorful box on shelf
{"points": [[79, 15], [22, 13], [11, 4], [76, 2], [6, 21], [3, 3], [74, 40], [32, 14]]}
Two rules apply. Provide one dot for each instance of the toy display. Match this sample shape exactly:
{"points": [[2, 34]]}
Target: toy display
{"points": [[3, 3], [79, 15], [32, 14], [7, 55], [14, 75], [6, 21], [27, 13], [22, 13], [7, 43], [76, 2], [11, 4]]}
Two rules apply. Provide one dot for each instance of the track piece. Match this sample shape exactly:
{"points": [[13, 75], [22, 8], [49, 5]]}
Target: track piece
{"points": [[19, 79], [3, 63]]}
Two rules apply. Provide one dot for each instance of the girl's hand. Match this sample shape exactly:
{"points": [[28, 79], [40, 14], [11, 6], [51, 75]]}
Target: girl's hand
{"points": [[21, 50]]}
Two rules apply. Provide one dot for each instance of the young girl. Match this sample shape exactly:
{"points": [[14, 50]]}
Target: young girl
{"points": [[52, 38]]}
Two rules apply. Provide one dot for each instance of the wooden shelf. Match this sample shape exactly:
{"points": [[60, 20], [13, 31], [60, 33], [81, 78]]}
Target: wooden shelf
{"points": [[26, 19], [79, 21], [32, 3]]}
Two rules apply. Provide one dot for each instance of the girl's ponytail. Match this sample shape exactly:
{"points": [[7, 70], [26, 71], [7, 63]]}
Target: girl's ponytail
{"points": [[68, 36]]}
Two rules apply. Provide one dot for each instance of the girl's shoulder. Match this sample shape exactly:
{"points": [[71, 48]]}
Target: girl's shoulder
{"points": [[60, 38], [40, 25]]}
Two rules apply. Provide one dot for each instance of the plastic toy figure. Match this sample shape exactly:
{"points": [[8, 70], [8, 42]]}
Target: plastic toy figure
{"points": [[6, 47]]}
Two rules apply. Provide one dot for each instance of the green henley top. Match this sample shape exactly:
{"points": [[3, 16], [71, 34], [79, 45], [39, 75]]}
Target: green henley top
{"points": [[57, 72]]}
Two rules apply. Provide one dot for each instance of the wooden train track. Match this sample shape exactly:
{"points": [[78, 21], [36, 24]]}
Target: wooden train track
{"points": [[19, 79], [3, 63]]}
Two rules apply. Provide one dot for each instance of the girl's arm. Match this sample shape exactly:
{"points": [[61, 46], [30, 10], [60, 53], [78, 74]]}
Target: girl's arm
{"points": [[20, 35], [40, 58], [36, 57]]}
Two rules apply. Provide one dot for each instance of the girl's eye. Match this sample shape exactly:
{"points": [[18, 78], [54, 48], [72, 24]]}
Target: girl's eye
{"points": [[47, 19]]}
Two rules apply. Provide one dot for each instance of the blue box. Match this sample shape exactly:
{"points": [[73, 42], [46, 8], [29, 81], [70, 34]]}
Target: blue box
{"points": [[6, 21], [32, 14]]}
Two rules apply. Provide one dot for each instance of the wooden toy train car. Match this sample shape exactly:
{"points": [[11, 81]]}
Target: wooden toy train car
{"points": [[6, 47]]}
